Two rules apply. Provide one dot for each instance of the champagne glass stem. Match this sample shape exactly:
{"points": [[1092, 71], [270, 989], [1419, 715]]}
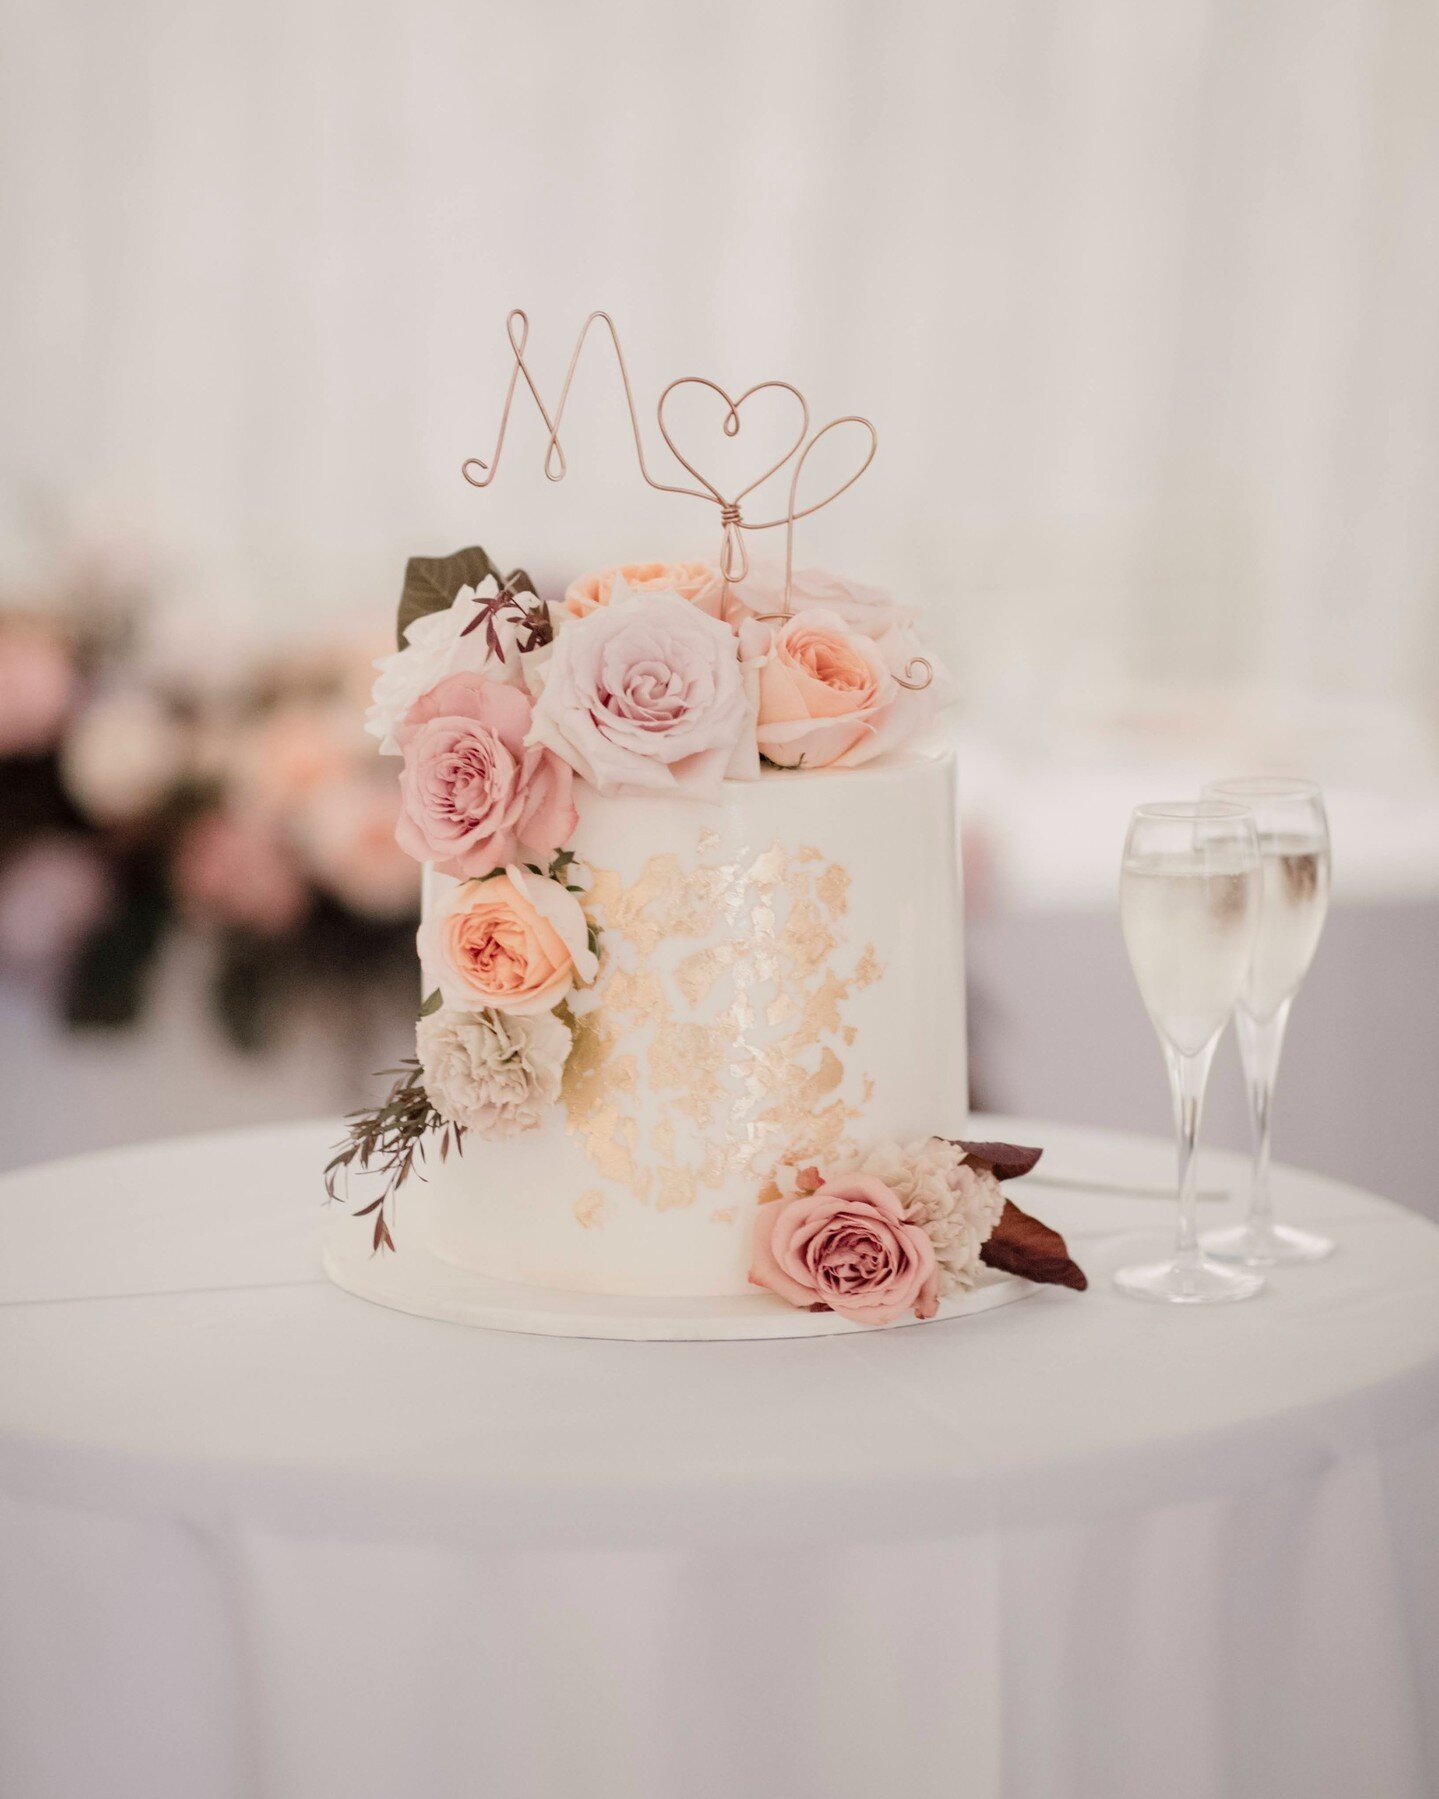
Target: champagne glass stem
{"points": [[1260, 1044], [1188, 1077]]}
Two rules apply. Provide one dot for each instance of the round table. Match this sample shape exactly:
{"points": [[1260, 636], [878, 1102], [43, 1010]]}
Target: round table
{"points": [[260, 1538]]}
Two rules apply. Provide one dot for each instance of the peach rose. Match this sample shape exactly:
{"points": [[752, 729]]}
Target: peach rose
{"points": [[822, 688], [696, 582], [515, 941], [847, 1248], [830, 696]]}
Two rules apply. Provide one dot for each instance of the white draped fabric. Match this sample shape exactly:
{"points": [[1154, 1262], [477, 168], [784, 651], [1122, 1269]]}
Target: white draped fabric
{"points": [[257, 1537], [1141, 297]]}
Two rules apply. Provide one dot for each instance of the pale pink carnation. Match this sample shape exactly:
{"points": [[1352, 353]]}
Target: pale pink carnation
{"points": [[956, 1203]]}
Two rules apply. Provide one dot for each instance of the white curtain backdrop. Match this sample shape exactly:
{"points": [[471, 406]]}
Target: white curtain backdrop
{"points": [[1142, 298]]}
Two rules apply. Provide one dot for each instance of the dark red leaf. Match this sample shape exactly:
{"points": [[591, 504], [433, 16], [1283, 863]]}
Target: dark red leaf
{"points": [[1008, 1160], [1022, 1245]]}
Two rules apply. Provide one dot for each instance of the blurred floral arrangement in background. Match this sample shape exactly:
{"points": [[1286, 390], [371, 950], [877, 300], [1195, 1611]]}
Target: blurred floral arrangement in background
{"points": [[137, 802]]}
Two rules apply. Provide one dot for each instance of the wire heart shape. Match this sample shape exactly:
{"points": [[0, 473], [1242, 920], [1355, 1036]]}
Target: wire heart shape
{"points": [[734, 559]]}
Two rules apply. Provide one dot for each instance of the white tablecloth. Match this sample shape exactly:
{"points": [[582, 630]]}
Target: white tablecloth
{"points": [[259, 1538]]}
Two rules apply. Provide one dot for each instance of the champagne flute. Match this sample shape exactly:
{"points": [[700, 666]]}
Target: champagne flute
{"points": [[1294, 857], [1189, 904]]}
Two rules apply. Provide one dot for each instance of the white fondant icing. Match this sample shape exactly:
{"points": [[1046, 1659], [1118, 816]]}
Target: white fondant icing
{"points": [[781, 973]]}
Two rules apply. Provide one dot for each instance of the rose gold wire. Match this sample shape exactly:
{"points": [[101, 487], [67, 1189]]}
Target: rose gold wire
{"points": [[734, 556]]}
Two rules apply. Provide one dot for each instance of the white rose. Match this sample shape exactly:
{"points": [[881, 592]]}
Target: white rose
{"points": [[867, 609], [123, 756], [490, 1073], [957, 1204], [435, 646], [646, 695]]}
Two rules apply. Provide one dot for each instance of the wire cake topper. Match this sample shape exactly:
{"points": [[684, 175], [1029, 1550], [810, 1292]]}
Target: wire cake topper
{"points": [[734, 555]]}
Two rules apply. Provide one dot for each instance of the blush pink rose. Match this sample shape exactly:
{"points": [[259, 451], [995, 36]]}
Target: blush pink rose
{"points": [[645, 695], [696, 582], [472, 794], [850, 1247], [229, 869], [37, 684], [516, 942]]}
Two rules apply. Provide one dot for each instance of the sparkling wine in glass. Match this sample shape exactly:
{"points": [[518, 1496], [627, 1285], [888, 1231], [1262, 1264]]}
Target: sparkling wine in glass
{"points": [[1189, 904], [1293, 837]]}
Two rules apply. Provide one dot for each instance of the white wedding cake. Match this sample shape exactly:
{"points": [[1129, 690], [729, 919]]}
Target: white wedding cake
{"points": [[781, 979], [692, 1042]]}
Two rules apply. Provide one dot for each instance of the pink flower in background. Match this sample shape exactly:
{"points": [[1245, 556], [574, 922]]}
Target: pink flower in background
{"points": [[37, 686], [346, 838], [472, 795], [850, 1247], [515, 941], [646, 696], [280, 761], [229, 869], [125, 755], [50, 895], [696, 582]]}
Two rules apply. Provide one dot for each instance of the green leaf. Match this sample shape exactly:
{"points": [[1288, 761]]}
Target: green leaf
{"points": [[431, 583], [431, 1004]]}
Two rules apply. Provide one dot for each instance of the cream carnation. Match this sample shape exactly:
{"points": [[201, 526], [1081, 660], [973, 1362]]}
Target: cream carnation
{"points": [[956, 1203], [490, 1073], [435, 646]]}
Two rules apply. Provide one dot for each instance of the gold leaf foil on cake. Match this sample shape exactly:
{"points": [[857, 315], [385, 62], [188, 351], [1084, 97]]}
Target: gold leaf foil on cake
{"points": [[590, 1209], [726, 984]]}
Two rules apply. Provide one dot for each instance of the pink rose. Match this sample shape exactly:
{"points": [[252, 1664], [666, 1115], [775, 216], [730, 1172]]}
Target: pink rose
{"points": [[696, 582], [868, 610], [229, 869], [515, 941], [471, 793], [646, 696], [37, 684], [345, 834], [848, 1247]]}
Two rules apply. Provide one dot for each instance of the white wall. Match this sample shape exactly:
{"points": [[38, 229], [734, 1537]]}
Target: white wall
{"points": [[1142, 297]]}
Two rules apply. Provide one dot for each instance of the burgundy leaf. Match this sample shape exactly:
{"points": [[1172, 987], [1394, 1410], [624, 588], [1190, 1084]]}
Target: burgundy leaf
{"points": [[1022, 1245], [1008, 1160]]}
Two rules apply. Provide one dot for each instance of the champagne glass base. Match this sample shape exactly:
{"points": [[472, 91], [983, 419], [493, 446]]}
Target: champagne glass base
{"points": [[1266, 1245], [1189, 1283]]}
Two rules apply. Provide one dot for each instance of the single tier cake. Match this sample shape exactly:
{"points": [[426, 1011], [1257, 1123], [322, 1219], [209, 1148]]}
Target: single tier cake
{"points": [[771, 991]]}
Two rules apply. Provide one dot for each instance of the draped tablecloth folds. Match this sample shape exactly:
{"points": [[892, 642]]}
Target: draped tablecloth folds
{"points": [[260, 1538]]}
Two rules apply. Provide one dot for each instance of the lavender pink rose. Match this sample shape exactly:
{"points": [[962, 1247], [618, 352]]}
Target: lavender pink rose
{"points": [[472, 793], [848, 1247]]}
